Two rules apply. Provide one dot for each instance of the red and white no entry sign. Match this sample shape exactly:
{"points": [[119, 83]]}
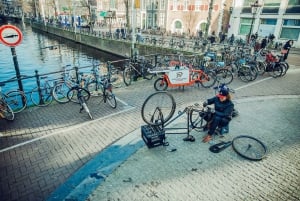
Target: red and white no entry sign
{"points": [[10, 35]]}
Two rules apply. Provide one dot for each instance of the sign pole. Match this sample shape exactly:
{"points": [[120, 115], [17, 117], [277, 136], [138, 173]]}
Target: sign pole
{"points": [[12, 36], [17, 69]]}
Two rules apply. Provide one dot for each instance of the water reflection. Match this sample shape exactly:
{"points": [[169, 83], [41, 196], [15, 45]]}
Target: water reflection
{"points": [[45, 53]]}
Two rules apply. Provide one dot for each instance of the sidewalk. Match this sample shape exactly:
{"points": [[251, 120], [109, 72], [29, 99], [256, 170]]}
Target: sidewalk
{"points": [[194, 173], [56, 151]]}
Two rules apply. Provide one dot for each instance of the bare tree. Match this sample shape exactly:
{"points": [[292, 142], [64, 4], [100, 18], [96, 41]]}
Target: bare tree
{"points": [[126, 3], [190, 20]]}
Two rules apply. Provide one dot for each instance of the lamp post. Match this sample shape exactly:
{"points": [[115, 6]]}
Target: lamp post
{"points": [[109, 13], [254, 8]]}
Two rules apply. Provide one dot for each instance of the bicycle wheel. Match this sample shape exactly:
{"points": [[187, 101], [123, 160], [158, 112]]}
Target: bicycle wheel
{"points": [[277, 70], [160, 84], [146, 71], [261, 67], [244, 73], [72, 94], [59, 92], [5, 111], [249, 147], [128, 75], [224, 76], [41, 97], [208, 79], [94, 88], [110, 98], [16, 100], [196, 119], [158, 108], [285, 66]]}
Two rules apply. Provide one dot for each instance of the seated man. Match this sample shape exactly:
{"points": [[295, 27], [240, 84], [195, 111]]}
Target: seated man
{"points": [[223, 111]]}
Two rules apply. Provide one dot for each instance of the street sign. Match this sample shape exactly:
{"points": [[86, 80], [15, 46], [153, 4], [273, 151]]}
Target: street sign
{"points": [[10, 35]]}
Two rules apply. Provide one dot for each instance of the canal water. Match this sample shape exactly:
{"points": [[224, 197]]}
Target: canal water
{"points": [[45, 53]]}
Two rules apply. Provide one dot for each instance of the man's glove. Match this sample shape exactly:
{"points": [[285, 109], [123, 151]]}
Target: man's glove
{"points": [[204, 104]]}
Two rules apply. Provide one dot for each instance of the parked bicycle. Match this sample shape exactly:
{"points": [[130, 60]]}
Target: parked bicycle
{"points": [[137, 67], [82, 96], [5, 110], [16, 99], [42, 95], [100, 85]]}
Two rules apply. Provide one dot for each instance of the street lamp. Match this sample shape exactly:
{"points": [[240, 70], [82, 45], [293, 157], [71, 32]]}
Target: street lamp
{"points": [[110, 15], [254, 8]]}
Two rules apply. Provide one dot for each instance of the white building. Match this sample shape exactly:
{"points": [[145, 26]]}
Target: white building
{"points": [[278, 17]]}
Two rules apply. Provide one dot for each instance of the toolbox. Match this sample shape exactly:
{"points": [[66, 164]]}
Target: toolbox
{"points": [[153, 135]]}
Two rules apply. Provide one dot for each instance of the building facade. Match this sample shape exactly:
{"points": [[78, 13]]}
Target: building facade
{"points": [[281, 18]]}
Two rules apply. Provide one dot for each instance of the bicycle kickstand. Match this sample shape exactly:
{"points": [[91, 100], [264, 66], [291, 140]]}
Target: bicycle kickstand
{"points": [[81, 109]]}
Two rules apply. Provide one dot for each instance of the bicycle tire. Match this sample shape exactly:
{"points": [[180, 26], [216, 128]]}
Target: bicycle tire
{"points": [[277, 70], [46, 96], [208, 79], [111, 99], [72, 94], [59, 92], [146, 71], [261, 67], [156, 104], [196, 119], [95, 88], [224, 76], [17, 100], [160, 84], [253, 72], [249, 147], [244, 73], [286, 67], [5, 111], [127, 76]]}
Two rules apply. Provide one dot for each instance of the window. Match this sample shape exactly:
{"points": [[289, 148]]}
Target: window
{"points": [[175, 4], [293, 7], [203, 26], [268, 21], [185, 4], [178, 25], [245, 26], [162, 4], [271, 6], [197, 5], [290, 29]]}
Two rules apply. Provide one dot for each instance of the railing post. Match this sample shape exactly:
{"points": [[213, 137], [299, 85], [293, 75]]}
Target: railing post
{"points": [[77, 75], [38, 83]]}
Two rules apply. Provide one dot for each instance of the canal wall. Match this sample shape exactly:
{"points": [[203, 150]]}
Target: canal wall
{"points": [[120, 48]]}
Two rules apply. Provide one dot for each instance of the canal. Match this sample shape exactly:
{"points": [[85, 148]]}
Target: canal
{"points": [[45, 53]]}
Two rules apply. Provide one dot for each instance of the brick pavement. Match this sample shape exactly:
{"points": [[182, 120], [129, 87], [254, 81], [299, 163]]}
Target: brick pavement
{"points": [[62, 141]]}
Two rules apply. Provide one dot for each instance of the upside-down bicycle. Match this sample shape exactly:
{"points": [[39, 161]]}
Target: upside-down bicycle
{"points": [[159, 108]]}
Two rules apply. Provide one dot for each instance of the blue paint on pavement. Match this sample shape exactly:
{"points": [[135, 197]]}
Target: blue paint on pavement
{"points": [[83, 182]]}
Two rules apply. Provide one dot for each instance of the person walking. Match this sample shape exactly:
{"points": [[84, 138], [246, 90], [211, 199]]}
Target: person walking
{"points": [[286, 49], [264, 42]]}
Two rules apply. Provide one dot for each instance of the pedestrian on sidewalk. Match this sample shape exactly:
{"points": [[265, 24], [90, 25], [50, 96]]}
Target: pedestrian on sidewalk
{"points": [[286, 49], [223, 111]]}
